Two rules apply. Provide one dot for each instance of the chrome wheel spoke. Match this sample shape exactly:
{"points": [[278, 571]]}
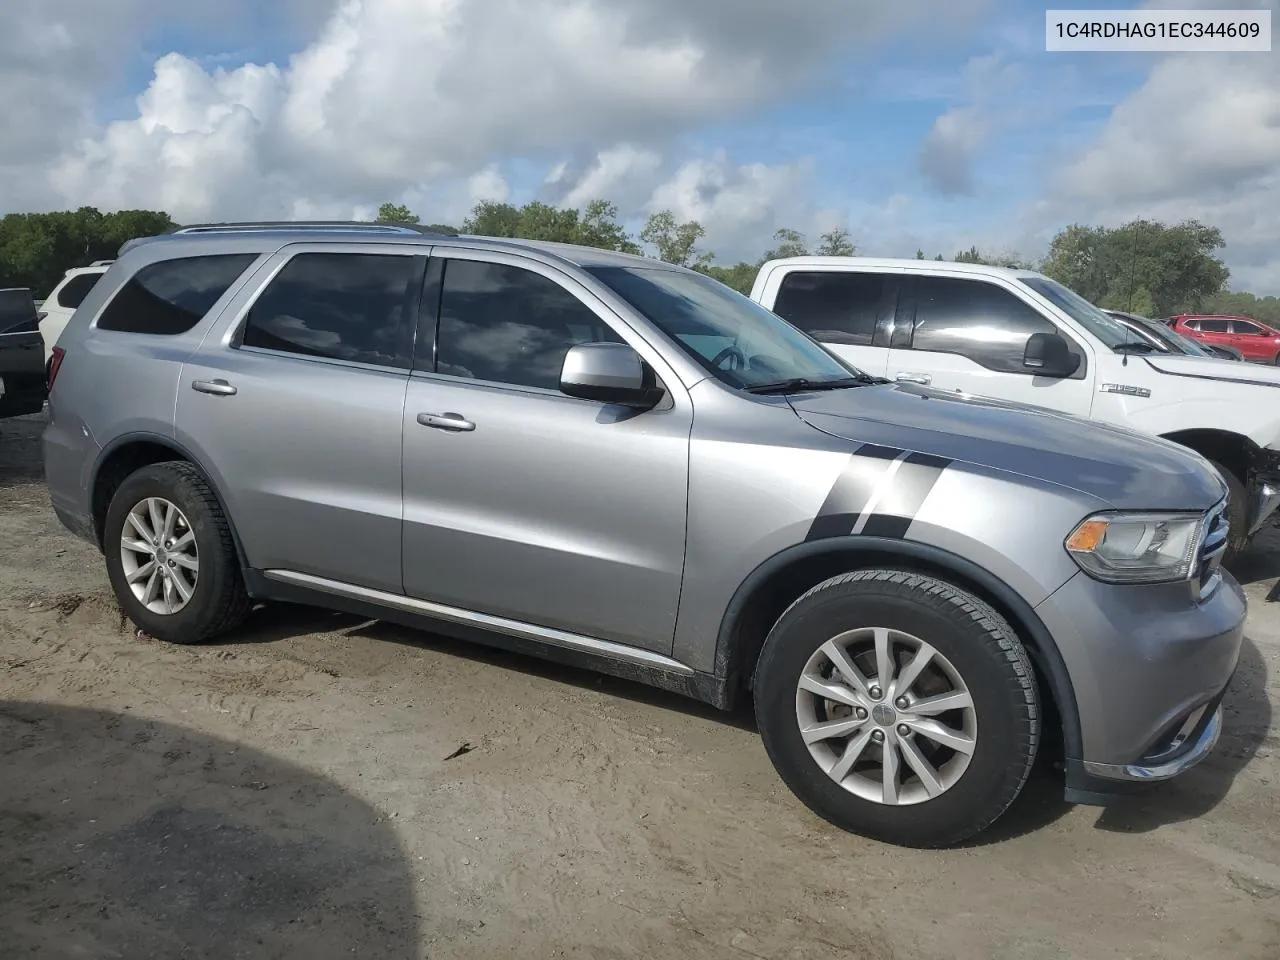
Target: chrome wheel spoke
{"points": [[148, 569], [853, 751], [945, 736], [932, 706], [828, 691], [884, 658], [889, 770], [831, 728], [149, 592], [911, 672], [185, 561], [140, 527], [155, 513], [921, 766], [138, 546], [170, 521], [849, 673], [186, 540], [180, 584]]}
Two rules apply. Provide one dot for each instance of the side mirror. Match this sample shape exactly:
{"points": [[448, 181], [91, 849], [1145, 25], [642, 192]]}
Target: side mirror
{"points": [[609, 373], [1049, 356]]}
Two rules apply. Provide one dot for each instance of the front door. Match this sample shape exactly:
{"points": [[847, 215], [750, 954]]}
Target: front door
{"points": [[521, 502], [296, 400], [969, 335]]}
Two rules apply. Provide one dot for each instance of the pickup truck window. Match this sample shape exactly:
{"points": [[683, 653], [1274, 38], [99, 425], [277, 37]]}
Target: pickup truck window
{"points": [[838, 307], [977, 320], [1107, 329], [731, 336]]}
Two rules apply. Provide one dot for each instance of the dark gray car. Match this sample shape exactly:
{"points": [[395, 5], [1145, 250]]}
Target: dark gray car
{"points": [[619, 463]]}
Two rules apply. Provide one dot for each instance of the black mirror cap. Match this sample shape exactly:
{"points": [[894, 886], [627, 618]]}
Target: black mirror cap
{"points": [[1049, 355]]}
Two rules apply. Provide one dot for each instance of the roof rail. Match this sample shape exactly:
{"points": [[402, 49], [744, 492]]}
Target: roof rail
{"points": [[102, 263], [354, 226]]}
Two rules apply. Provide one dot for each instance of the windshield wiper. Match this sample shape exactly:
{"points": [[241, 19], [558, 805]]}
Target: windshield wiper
{"points": [[796, 384], [1134, 346]]}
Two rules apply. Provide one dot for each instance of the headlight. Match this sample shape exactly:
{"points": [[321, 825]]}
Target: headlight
{"points": [[1138, 547]]}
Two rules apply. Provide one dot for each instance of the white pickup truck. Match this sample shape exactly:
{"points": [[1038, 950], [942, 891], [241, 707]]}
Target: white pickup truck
{"points": [[1017, 335]]}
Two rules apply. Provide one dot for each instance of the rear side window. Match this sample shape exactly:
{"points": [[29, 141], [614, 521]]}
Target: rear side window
{"points": [[172, 296], [340, 306], [832, 307], [977, 320], [1246, 328], [76, 289]]}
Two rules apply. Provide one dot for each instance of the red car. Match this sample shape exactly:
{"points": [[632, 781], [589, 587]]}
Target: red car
{"points": [[1253, 338]]}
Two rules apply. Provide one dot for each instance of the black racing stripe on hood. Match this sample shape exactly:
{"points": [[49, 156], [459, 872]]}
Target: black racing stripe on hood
{"points": [[910, 487], [851, 492]]}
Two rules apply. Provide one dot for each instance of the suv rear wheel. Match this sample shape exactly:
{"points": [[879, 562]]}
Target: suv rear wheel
{"points": [[170, 555], [898, 706]]}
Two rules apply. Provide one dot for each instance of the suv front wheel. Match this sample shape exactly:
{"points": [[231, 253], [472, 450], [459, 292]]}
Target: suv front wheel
{"points": [[898, 706], [170, 555]]}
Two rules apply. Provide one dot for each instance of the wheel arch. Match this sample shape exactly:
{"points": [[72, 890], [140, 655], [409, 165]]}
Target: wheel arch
{"points": [[1233, 450], [133, 451], [776, 583]]}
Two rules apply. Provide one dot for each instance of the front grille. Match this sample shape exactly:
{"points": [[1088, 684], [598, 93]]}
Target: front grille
{"points": [[1217, 532]]}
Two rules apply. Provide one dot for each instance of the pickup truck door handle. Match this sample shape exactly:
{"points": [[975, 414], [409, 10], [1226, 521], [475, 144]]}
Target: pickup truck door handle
{"points": [[219, 388], [446, 421], [914, 378]]}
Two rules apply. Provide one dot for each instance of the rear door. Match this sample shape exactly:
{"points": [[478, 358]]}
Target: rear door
{"points": [[850, 312], [1254, 341], [1215, 331], [969, 334], [22, 379], [295, 399]]}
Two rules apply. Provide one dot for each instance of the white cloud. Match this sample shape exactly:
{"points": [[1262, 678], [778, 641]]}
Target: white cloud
{"points": [[1199, 139], [394, 96]]}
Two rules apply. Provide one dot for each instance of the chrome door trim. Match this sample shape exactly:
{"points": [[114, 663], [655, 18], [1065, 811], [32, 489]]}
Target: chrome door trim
{"points": [[514, 628]]}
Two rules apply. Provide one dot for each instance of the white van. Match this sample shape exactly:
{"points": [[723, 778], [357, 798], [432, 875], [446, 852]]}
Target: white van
{"points": [[1018, 335]]}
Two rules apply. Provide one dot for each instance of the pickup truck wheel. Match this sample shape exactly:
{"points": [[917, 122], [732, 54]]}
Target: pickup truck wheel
{"points": [[898, 706], [1237, 508], [170, 556]]}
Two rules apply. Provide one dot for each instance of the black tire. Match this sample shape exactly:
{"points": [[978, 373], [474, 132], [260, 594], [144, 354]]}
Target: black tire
{"points": [[977, 641], [1237, 509], [218, 602]]}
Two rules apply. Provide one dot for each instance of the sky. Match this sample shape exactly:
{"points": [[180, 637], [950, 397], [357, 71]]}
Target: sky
{"points": [[916, 124]]}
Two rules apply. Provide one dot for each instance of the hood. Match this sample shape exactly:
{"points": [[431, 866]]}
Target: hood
{"points": [[1130, 471], [1213, 369]]}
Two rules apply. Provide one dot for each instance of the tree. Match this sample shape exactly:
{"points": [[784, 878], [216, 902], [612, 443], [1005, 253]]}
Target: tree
{"points": [[597, 226], [1266, 309], [789, 243], [675, 242], [919, 254], [1177, 266], [836, 243], [974, 255], [396, 213], [741, 276]]}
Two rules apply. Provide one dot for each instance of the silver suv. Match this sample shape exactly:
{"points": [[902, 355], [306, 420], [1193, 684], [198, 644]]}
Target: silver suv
{"points": [[618, 463]]}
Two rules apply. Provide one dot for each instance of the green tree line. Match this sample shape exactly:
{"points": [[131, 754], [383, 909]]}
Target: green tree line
{"points": [[1144, 266]]}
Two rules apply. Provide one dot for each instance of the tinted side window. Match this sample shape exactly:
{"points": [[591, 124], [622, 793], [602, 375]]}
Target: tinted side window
{"points": [[1247, 328], [171, 297], [977, 320], [1208, 325], [339, 306], [17, 311], [832, 307], [76, 289], [510, 325]]}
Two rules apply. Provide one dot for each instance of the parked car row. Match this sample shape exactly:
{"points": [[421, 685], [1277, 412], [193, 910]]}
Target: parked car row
{"points": [[1251, 339], [623, 464], [1166, 340]]}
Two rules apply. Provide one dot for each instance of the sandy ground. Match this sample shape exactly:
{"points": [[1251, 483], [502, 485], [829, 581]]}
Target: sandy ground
{"points": [[317, 786]]}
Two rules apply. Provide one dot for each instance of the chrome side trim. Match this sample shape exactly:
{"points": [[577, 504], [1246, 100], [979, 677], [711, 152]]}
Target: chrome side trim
{"points": [[513, 628], [1163, 771]]}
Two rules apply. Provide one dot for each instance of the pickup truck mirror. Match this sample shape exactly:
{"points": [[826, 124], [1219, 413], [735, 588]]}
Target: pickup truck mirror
{"points": [[1049, 355], [609, 373]]}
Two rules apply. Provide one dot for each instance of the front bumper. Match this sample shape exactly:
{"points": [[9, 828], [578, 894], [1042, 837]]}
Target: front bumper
{"points": [[1263, 490], [1149, 666]]}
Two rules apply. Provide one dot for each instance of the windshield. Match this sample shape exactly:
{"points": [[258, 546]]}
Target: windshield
{"points": [[731, 336], [1188, 345], [1106, 328]]}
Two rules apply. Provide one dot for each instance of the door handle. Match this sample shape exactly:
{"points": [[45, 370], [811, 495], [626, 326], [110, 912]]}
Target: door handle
{"points": [[446, 421], [219, 388], [914, 378]]}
